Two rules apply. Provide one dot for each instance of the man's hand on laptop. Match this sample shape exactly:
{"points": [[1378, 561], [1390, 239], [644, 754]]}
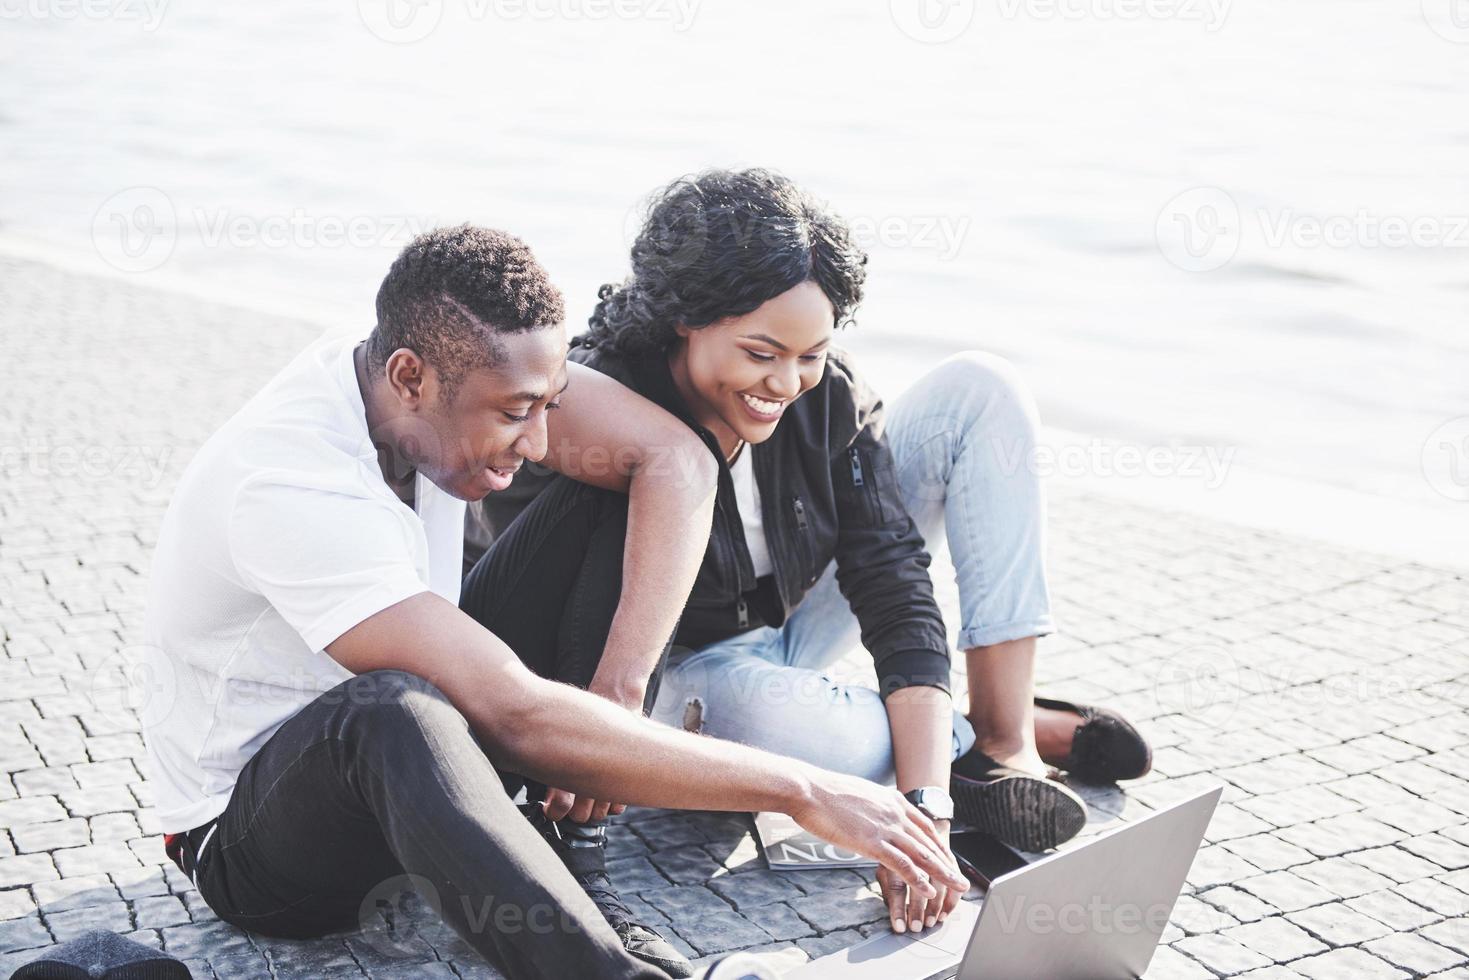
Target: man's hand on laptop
{"points": [[908, 909], [877, 822]]}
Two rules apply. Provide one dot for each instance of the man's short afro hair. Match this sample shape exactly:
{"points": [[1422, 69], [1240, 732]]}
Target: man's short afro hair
{"points": [[450, 291]]}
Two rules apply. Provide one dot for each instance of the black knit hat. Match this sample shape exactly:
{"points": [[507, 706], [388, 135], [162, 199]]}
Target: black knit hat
{"points": [[101, 955]]}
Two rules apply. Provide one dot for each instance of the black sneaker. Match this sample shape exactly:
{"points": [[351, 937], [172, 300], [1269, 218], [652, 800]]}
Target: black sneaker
{"points": [[1015, 807], [583, 849], [1105, 747]]}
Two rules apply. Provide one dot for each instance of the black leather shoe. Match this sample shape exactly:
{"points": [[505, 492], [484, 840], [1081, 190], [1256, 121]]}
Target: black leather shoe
{"points": [[1105, 747], [582, 847], [1015, 807]]}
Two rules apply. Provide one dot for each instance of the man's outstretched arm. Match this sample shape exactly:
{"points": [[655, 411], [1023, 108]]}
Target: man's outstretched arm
{"points": [[566, 737], [609, 436]]}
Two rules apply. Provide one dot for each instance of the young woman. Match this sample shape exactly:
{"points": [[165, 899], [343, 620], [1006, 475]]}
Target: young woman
{"points": [[739, 282]]}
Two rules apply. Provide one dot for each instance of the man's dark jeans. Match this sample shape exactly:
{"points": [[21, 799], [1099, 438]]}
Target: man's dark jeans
{"points": [[379, 786]]}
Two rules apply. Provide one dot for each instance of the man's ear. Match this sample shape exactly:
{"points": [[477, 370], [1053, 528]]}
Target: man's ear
{"points": [[682, 330], [405, 372]]}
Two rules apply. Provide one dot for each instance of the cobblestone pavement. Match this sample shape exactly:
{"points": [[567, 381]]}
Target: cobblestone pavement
{"points": [[1325, 689]]}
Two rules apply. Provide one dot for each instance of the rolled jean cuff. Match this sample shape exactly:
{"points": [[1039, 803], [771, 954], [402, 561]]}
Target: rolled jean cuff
{"points": [[984, 636], [913, 668]]}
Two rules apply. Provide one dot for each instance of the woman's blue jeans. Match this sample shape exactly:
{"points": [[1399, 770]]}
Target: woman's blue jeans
{"points": [[964, 441]]}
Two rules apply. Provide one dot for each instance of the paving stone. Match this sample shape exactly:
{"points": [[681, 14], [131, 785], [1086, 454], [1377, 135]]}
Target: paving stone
{"points": [[755, 888], [1277, 939], [1439, 849], [16, 902], [94, 859], [1347, 964], [112, 916], [1393, 910], [113, 827], [635, 875], [1286, 891], [1268, 852], [44, 782], [25, 932], [74, 893], [1272, 973], [1435, 895], [1344, 878], [681, 903], [1339, 924], [31, 809], [781, 921], [1217, 866], [1453, 933], [25, 869], [158, 911], [721, 931], [840, 909], [1414, 953], [1395, 863], [48, 836], [1241, 905], [101, 799], [1221, 954], [820, 946], [1169, 964], [686, 865], [140, 882]]}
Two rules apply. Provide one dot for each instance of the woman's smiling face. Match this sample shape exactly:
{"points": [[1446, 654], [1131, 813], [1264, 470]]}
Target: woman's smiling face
{"points": [[739, 375]]}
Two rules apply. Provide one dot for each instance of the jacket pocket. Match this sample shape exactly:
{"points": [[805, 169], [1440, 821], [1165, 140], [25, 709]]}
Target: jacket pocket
{"points": [[805, 549], [875, 486]]}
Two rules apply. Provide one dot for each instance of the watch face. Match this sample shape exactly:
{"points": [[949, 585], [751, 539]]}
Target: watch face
{"points": [[933, 801]]}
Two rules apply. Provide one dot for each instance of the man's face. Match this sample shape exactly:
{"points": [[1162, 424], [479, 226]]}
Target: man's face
{"points": [[497, 417]]}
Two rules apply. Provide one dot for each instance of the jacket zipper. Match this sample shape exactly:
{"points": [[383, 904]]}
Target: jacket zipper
{"points": [[857, 480], [800, 509], [744, 612]]}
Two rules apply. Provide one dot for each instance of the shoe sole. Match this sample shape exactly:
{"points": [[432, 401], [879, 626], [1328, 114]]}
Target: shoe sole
{"points": [[1024, 812]]}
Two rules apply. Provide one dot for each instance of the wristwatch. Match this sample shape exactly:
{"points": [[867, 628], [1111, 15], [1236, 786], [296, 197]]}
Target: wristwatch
{"points": [[933, 801]]}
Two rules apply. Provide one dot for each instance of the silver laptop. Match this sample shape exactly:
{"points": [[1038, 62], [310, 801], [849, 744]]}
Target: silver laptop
{"points": [[1093, 912]]}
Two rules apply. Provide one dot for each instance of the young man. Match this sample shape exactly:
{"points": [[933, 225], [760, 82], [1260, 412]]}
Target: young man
{"points": [[333, 721]]}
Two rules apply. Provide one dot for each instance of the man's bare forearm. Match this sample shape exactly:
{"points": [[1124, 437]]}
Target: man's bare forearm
{"points": [[585, 744], [670, 505]]}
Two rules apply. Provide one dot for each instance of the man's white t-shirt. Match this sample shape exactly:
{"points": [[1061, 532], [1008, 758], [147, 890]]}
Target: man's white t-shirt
{"points": [[747, 500], [281, 536]]}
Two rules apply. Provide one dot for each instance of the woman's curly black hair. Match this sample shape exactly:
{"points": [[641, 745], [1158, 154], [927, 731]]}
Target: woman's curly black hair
{"points": [[719, 244]]}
